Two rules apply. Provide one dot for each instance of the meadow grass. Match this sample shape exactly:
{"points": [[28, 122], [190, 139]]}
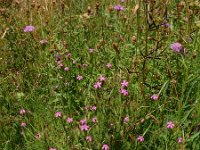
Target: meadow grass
{"points": [[104, 74]]}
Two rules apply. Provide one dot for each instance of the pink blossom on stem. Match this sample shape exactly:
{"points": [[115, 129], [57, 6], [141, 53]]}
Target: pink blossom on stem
{"points": [[118, 7], [66, 69], [79, 77], [29, 28], [58, 114], [124, 83], [69, 120], [170, 125], [101, 78], [52, 149], [84, 127], [124, 92], [22, 111], [97, 85], [140, 138], [179, 140], [108, 65], [43, 41], [88, 138], [176, 47], [155, 97], [85, 65], [38, 136], [105, 147], [126, 119], [23, 124], [60, 65], [85, 107], [93, 108], [83, 121], [94, 119], [91, 50]]}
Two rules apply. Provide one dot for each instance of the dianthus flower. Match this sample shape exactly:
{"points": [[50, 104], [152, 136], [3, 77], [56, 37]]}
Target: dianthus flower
{"points": [[170, 125], [176, 47], [118, 7], [79, 77], [140, 138], [155, 97], [69, 120], [58, 114], [105, 147], [84, 127], [97, 85], [124, 92], [124, 83], [29, 28], [88, 138]]}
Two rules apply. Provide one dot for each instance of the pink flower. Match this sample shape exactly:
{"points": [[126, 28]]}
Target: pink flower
{"points": [[66, 69], [85, 65], [29, 28], [105, 147], [91, 50], [23, 124], [119, 8], [43, 41], [69, 120], [22, 111], [85, 107], [124, 92], [38, 136], [126, 119], [58, 62], [93, 108], [61, 65], [88, 138], [108, 65], [83, 121], [124, 83], [79, 77], [101, 78], [58, 114], [97, 85], [155, 97], [94, 120], [179, 139], [84, 127], [68, 55], [140, 138], [52, 149], [170, 125], [176, 47]]}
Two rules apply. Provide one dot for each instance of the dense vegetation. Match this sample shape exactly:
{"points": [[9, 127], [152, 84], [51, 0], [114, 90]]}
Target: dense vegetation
{"points": [[104, 74]]}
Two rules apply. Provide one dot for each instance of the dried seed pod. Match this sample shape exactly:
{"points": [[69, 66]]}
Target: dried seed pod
{"points": [[33, 4], [38, 6], [17, 2], [89, 10], [133, 39], [180, 5], [54, 2], [142, 120], [110, 8], [97, 5], [84, 24], [116, 47]]}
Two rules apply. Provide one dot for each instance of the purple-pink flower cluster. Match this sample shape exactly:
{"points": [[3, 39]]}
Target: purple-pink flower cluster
{"points": [[124, 86], [100, 81]]}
